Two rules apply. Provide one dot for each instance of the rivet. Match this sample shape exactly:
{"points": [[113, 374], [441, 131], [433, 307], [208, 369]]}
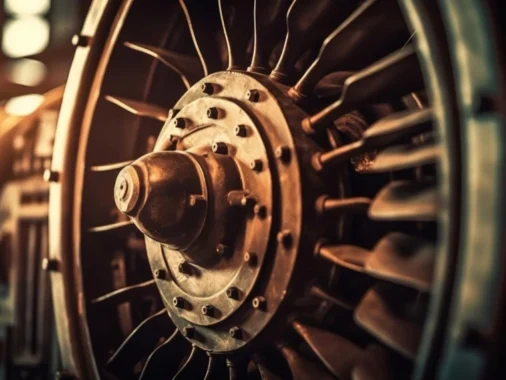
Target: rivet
{"points": [[235, 332], [208, 309], [285, 238], [207, 88], [282, 153], [259, 303], [260, 211], [160, 274], [250, 258], [179, 122], [79, 40], [233, 293], [178, 302], [189, 332], [256, 165], [223, 250], [240, 130], [51, 176], [184, 267], [253, 95], [220, 148], [50, 265], [213, 113]]}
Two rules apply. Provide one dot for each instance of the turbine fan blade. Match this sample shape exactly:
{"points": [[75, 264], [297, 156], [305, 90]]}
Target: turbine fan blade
{"points": [[203, 20], [126, 294], [157, 365], [322, 294], [338, 354], [389, 78], [112, 226], [265, 373], [237, 370], [405, 200], [303, 369], [347, 256], [308, 22], [140, 342], [405, 156], [140, 108], [237, 20], [332, 206], [375, 316], [386, 131], [187, 67], [374, 365], [269, 30], [369, 33], [403, 259]]}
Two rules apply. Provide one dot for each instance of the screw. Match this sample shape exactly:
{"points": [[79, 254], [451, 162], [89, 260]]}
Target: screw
{"points": [[250, 258], [256, 165], [260, 211], [208, 310], [178, 302], [285, 238], [213, 113], [241, 130], [220, 148], [235, 332], [79, 40], [179, 122], [233, 293], [207, 88], [189, 332], [253, 95], [184, 267], [160, 274], [223, 250], [283, 153], [51, 176], [259, 303], [50, 265]]}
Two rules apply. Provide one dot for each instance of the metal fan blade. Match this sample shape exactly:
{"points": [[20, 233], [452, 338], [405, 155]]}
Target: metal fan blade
{"points": [[331, 206], [126, 294], [338, 354], [403, 259], [322, 294], [308, 22], [189, 68], [112, 226], [204, 23], [348, 256], [237, 19], [375, 316], [265, 373], [369, 33], [110, 167], [139, 343], [389, 78], [405, 156], [303, 369], [157, 365], [140, 108], [405, 200], [375, 364], [386, 131], [270, 28]]}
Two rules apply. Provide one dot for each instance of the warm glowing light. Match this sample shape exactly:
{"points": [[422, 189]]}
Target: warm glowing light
{"points": [[27, 72], [25, 36], [23, 105], [27, 7]]}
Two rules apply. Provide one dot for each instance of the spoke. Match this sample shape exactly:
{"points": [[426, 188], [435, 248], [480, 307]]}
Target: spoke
{"points": [[384, 132], [338, 354], [374, 315], [403, 156], [322, 294], [270, 28], [387, 79], [372, 31], [375, 365], [112, 226], [157, 365], [140, 108], [126, 294], [204, 23], [189, 68], [180, 374], [211, 363], [332, 206], [308, 22], [348, 256], [237, 20], [237, 369], [403, 259], [303, 369], [406, 200], [139, 343], [110, 167]]}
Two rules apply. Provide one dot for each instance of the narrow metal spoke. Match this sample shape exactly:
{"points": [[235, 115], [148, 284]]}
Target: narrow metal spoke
{"points": [[186, 364], [112, 226], [317, 291], [347, 256], [335, 206], [140, 108], [110, 167], [126, 294]]}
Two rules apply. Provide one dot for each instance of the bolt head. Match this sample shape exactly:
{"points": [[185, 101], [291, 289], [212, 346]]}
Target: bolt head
{"points": [[160, 274], [208, 309], [250, 258], [179, 122], [194, 200], [219, 148], [260, 211], [240, 130], [207, 88], [285, 238], [282, 153], [49, 265], [78, 40], [253, 95], [213, 113], [223, 250], [256, 165], [259, 303], [189, 332], [235, 332], [183, 267], [233, 293], [51, 176], [178, 302]]}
